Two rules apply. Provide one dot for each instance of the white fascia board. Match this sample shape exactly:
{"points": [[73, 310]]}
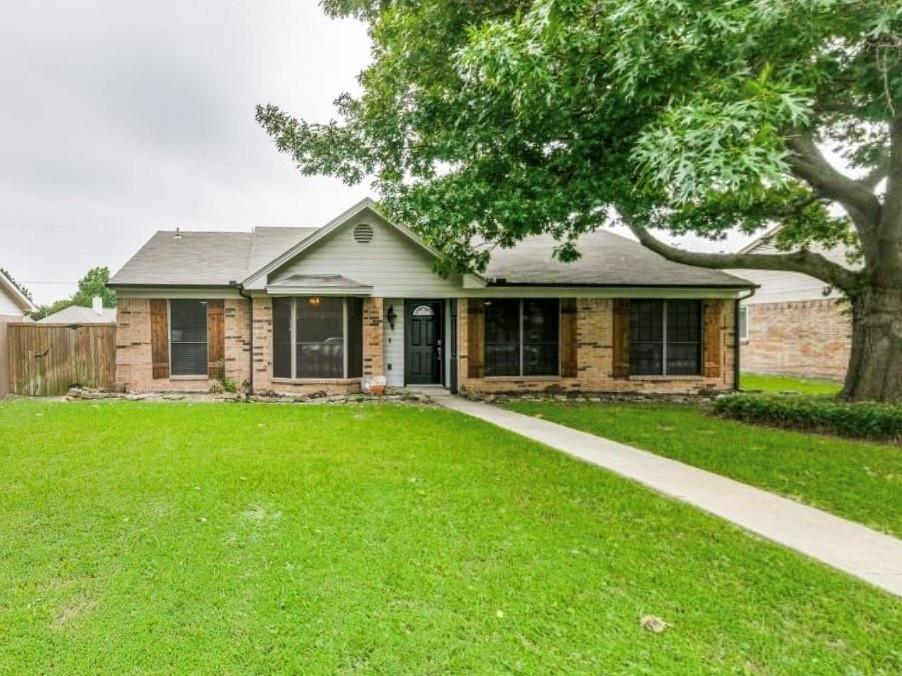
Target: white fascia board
{"points": [[318, 291], [23, 301]]}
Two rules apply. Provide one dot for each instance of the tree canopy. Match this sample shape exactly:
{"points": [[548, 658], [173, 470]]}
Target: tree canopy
{"points": [[491, 120]]}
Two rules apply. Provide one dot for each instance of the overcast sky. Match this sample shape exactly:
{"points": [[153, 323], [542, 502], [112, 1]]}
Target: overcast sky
{"points": [[123, 117]]}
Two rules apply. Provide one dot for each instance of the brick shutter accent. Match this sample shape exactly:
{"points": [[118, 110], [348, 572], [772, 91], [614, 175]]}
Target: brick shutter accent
{"points": [[215, 338], [159, 337], [475, 338], [711, 312], [621, 340], [568, 337]]}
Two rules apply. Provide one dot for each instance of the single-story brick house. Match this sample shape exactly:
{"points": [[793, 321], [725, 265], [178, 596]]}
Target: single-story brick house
{"points": [[357, 302]]}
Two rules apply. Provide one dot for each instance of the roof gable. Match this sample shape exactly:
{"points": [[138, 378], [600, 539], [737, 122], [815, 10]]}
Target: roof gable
{"points": [[362, 207], [12, 292]]}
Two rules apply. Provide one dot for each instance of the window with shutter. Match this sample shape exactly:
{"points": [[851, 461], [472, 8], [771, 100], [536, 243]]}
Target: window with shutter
{"points": [[188, 337]]}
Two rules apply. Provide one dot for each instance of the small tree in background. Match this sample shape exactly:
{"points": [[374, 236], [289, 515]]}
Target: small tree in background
{"points": [[493, 120], [92, 284]]}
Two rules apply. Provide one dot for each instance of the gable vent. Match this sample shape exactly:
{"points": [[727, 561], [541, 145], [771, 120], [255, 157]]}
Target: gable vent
{"points": [[363, 233]]}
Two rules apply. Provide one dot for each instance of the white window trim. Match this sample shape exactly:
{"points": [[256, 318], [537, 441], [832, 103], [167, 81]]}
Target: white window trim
{"points": [[744, 338]]}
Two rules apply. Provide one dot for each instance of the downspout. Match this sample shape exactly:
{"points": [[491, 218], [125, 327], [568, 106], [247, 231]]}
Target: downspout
{"points": [[250, 300], [736, 340]]}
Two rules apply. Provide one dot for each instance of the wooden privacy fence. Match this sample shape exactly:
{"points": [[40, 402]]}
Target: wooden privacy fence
{"points": [[47, 359]]}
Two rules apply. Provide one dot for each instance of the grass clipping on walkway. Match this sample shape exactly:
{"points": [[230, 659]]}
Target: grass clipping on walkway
{"points": [[258, 538]]}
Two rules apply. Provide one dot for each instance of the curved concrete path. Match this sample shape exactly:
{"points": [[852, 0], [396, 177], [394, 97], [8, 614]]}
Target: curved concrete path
{"points": [[848, 546]]}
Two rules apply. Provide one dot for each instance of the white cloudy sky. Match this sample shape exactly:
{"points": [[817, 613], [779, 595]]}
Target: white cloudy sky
{"points": [[122, 117]]}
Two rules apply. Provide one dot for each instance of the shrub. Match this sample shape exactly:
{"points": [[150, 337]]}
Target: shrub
{"points": [[865, 420]]}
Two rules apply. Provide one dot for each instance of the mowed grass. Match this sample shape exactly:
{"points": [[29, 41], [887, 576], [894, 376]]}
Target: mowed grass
{"points": [[754, 382], [217, 538], [859, 480]]}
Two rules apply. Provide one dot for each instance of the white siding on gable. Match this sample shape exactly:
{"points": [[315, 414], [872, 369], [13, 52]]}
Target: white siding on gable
{"points": [[393, 344], [782, 287], [8, 306], [391, 263]]}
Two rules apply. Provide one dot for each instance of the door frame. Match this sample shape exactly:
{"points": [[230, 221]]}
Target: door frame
{"points": [[438, 305]]}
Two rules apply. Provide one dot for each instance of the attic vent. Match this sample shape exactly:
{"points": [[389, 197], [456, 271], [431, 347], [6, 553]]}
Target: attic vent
{"points": [[363, 233]]}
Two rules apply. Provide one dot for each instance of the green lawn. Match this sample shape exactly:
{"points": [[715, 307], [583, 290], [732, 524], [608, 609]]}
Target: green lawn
{"points": [[757, 382], [855, 479], [229, 538]]}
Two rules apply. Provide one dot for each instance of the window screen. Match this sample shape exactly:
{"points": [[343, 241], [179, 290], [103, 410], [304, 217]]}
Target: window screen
{"points": [[502, 337], [684, 337], [665, 337], [188, 337], [647, 337], [319, 337], [521, 337], [540, 337], [281, 337]]}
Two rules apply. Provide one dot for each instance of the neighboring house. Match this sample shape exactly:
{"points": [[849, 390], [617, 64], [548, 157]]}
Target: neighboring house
{"points": [[14, 307], [301, 310], [790, 326], [78, 314]]}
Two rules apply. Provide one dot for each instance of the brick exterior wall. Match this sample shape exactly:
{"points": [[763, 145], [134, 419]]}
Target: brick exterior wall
{"points": [[800, 338], [133, 356], [595, 334], [373, 351], [594, 354]]}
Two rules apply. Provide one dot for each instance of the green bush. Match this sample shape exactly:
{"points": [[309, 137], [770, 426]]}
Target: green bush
{"points": [[864, 420]]}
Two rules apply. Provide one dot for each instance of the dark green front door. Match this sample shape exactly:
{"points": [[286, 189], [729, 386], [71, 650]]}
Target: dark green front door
{"points": [[423, 342]]}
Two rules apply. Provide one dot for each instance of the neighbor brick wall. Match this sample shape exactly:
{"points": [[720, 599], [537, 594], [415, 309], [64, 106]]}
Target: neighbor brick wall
{"points": [[133, 354], [800, 338], [595, 332]]}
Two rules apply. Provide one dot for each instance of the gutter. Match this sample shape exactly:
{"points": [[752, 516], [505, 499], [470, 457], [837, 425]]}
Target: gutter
{"points": [[736, 340], [250, 380]]}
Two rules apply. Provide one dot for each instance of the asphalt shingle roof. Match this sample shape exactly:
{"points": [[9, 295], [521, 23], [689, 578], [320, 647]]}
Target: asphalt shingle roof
{"points": [[606, 259], [217, 258]]}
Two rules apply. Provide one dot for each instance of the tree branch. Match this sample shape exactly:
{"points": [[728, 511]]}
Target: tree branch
{"points": [[805, 262], [808, 163]]}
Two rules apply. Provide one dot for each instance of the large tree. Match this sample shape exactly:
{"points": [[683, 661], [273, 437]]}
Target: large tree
{"points": [[490, 120]]}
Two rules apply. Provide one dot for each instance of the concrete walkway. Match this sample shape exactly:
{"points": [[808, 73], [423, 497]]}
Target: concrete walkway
{"points": [[848, 546]]}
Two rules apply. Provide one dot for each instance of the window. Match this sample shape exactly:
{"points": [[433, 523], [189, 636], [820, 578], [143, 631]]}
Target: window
{"points": [[317, 337], [743, 322], [188, 337], [521, 337], [665, 337]]}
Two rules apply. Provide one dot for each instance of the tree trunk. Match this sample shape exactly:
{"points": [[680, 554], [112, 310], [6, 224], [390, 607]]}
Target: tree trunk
{"points": [[875, 365]]}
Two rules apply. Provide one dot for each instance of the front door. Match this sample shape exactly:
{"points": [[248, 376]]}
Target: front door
{"points": [[423, 342]]}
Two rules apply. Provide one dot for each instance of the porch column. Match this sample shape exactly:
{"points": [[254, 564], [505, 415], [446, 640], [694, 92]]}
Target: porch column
{"points": [[373, 361]]}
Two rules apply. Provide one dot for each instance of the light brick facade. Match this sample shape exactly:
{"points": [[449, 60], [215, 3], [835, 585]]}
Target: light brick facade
{"points": [[594, 354], [373, 352], [595, 334], [800, 338], [133, 352]]}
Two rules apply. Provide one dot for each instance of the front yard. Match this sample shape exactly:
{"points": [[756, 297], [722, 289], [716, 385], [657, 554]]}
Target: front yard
{"points": [[859, 480], [257, 538]]}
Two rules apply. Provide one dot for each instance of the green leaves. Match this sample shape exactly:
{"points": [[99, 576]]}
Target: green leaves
{"points": [[493, 120]]}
